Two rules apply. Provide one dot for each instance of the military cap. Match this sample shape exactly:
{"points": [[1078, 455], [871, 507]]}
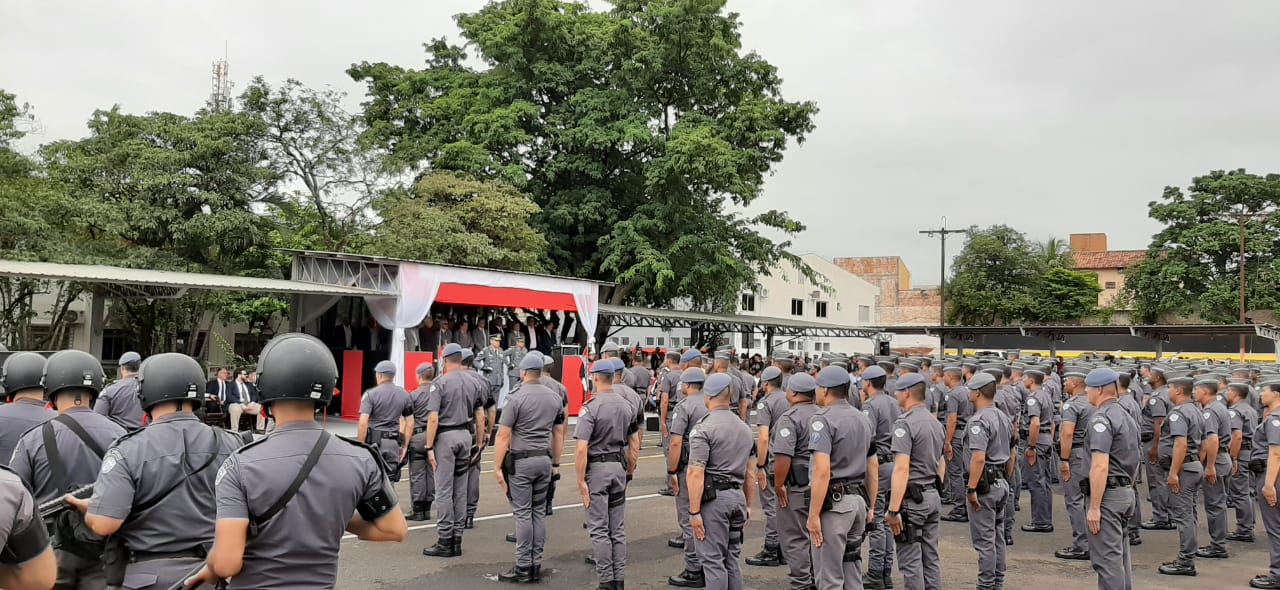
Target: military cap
{"points": [[996, 371], [1033, 371], [602, 366], [952, 369], [832, 377], [385, 368], [547, 360], [1273, 383], [1210, 383], [980, 380], [802, 383], [495, 337], [130, 357], [451, 349], [689, 355], [873, 372], [909, 365], [972, 365], [1182, 381], [1100, 377], [618, 365], [888, 366], [716, 384], [723, 355], [1077, 372], [467, 353], [693, 375], [608, 347], [783, 355], [770, 373], [1158, 369], [907, 381], [533, 362], [424, 367], [842, 364]]}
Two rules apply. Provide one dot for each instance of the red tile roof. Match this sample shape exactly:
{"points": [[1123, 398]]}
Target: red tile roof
{"points": [[1108, 259]]}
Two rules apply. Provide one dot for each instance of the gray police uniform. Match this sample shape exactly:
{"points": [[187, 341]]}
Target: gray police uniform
{"points": [[1038, 476], [883, 410], [688, 412], [80, 465], [513, 356], [791, 438], [1113, 431], [298, 547], [640, 378], [1217, 420], [991, 432], [119, 401], [531, 416], [958, 404], [1265, 436], [1157, 406], [1239, 485], [489, 363], [22, 534], [422, 485], [17, 418], [160, 481], [844, 434], [482, 391], [769, 411], [919, 436], [1184, 421], [453, 397], [716, 444], [1134, 408], [386, 404], [1077, 411], [605, 423]]}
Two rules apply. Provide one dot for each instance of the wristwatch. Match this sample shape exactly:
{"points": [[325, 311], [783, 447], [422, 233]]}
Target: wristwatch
{"points": [[760, 466], [892, 513], [973, 490]]}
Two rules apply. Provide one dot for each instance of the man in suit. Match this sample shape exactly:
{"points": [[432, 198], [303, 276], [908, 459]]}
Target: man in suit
{"points": [[216, 390], [240, 399]]}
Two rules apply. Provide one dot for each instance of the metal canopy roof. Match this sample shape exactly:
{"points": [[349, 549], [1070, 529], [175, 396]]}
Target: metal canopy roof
{"points": [[667, 318], [165, 284], [1158, 332], [388, 261]]}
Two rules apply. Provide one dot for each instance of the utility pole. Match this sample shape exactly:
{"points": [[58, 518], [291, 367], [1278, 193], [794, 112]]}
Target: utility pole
{"points": [[942, 232], [1243, 216]]}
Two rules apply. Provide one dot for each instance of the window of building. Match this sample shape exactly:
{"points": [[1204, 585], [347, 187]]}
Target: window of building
{"points": [[180, 343], [817, 347], [820, 309], [648, 340], [797, 307], [663, 342], [786, 278], [625, 341], [755, 343], [1111, 285], [826, 347], [113, 344], [748, 302], [41, 338], [864, 313]]}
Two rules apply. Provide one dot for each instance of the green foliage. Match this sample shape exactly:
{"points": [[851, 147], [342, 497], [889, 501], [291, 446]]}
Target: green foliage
{"points": [[1055, 253], [1193, 264], [638, 132], [1065, 295]]}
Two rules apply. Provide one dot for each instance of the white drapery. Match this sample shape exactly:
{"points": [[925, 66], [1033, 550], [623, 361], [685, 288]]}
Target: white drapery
{"points": [[417, 288]]}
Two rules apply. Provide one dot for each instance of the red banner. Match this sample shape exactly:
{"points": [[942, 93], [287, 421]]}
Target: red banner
{"points": [[352, 375]]}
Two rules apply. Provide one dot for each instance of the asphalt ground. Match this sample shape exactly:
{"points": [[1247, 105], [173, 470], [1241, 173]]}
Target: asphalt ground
{"points": [[651, 521]]}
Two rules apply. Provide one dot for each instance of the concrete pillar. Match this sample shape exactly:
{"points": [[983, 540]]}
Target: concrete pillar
{"points": [[97, 322]]}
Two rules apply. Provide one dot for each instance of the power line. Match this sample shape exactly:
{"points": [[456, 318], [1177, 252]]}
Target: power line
{"points": [[942, 232]]}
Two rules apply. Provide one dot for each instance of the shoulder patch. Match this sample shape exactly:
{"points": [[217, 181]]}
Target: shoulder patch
{"points": [[760, 406], [693, 432], [1231, 413], [1066, 406], [1031, 401], [1275, 423], [1174, 416], [900, 432], [818, 426], [976, 429], [222, 472], [1099, 427], [1206, 415], [815, 439], [109, 461], [785, 432], [1152, 401]]}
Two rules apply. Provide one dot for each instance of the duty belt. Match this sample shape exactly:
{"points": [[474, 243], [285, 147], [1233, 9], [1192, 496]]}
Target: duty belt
{"points": [[388, 434], [419, 429], [1118, 481], [725, 485], [518, 455], [464, 426], [617, 457], [845, 487], [197, 552]]}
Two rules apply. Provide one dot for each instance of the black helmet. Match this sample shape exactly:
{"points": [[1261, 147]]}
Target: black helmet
{"points": [[22, 370], [71, 369], [296, 367], [169, 377]]}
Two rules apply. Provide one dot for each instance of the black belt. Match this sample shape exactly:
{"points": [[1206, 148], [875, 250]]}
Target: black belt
{"points": [[1118, 481], [725, 485], [1246, 445], [617, 457], [847, 487], [141, 556], [518, 455], [1258, 466], [388, 433], [464, 426], [419, 429]]}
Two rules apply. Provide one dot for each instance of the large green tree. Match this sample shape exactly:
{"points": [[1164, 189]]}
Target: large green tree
{"points": [[643, 133], [994, 277], [1063, 295], [1193, 263]]}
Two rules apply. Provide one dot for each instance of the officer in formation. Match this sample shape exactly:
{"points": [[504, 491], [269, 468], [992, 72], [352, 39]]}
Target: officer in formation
{"points": [[772, 405], [455, 426], [1264, 466], [548, 379], [740, 396], [489, 361], [1244, 419], [157, 507], [914, 507], [670, 394], [1133, 405], [422, 485], [1155, 409], [1113, 451], [21, 378], [527, 452], [1037, 466], [958, 410], [719, 505], [272, 531], [688, 412], [119, 401], [1180, 439], [386, 418], [66, 453], [987, 481], [606, 426], [883, 410], [1076, 413], [843, 474], [512, 358], [1216, 444], [789, 445], [489, 404], [26, 559], [632, 397]]}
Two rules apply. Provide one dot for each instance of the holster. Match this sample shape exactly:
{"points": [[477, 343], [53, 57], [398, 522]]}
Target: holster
{"points": [[68, 532], [684, 455], [915, 492], [1258, 466], [115, 559], [909, 533], [1148, 437], [798, 476], [461, 468]]}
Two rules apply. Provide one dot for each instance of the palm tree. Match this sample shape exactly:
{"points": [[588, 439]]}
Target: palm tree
{"points": [[1055, 253]]}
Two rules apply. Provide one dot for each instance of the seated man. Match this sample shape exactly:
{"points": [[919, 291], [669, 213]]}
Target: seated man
{"points": [[241, 399], [216, 390]]}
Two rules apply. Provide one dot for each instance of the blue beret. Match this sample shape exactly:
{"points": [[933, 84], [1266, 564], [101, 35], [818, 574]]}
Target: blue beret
{"points": [[907, 381], [689, 355], [716, 384], [130, 357], [693, 375], [617, 364], [467, 353], [980, 380], [770, 373], [802, 383], [424, 367], [531, 362], [1100, 377], [385, 368], [873, 372], [832, 377], [451, 349], [601, 367]]}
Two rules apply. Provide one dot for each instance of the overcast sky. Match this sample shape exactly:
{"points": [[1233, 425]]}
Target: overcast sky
{"points": [[1052, 117]]}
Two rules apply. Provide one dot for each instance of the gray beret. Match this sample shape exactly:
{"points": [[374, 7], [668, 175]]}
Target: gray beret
{"points": [[608, 347], [770, 373], [451, 349], [691, 375], [601, 367], [1101, 377], [873, 372], [689, 355], [980, 380], [531, 362], [908, 381], [546, 360], [424, 367], [716, 384], [467, 353], [385, 368], [832, 377], [802, 383], [130, 357]]}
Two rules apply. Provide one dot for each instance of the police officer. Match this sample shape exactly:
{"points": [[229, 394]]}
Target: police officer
{"points": [[772, 405], [549, 380], [987, 488], [1179, 454], [1216, 443], [789, 444], [1155, 409], [670, 393], [843, 474], [914, 508], [119, 401], [688, 412], [633, 398], [422, 488], [740, 397], [1037, 464], [1244, 419], [527, 453], [1133, 405], [512, 357], [719, 505], [272, 531], [1264, 464], [1112, 441], [957, 411], [489, 361], [79, 437], [883, 410], [605, 426], [26, 559], [489, 404], [455, 426], [386, 418], [158, 506], [1076, 412], [20, 378]]}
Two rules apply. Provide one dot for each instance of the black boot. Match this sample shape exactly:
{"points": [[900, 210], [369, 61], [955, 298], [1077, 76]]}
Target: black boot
{"points": [[1178, 568], [536, 573], [770, 556], [426, 509], [873, 580], [470, 523], [511, 537], [442, 548], [888, 579], [688, 579], [418, 514], [549, 509], [676, 543], [457, 546], [517, 575], [1134, 539], [619, 585]]}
